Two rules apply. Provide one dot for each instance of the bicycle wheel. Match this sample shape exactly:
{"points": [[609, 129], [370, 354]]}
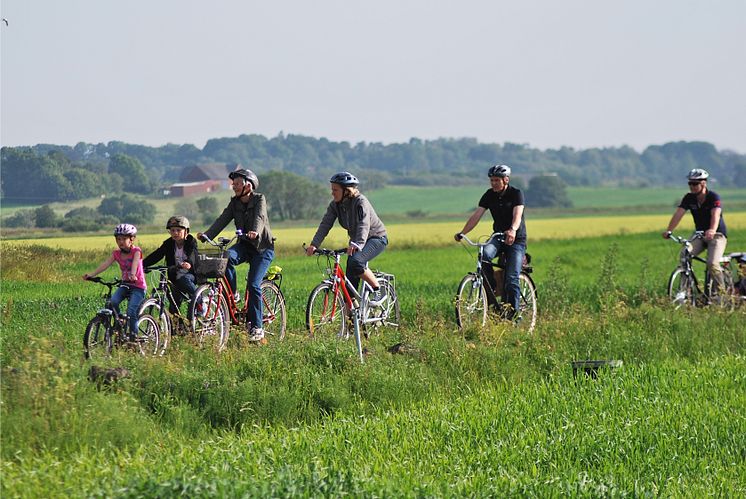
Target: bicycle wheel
{"points": [[526, 317], [325, 313], [209, 317], [724, 297], [682, 288], [471, 303], [147, 336], [153, 307], [389, 313], [274, 315], [97, 340]]}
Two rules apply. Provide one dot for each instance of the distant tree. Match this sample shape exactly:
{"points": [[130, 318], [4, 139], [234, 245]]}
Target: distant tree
{"points": [[83, 212], [132, 172], [21, 219], [129, 209], [547, 191], [292, 197], [208, 208], [187, 207], [739, 177], [46, 217]]}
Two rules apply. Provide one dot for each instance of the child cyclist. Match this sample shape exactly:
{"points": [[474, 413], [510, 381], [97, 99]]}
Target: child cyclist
{"points": [[180, 252], [129, 258]]}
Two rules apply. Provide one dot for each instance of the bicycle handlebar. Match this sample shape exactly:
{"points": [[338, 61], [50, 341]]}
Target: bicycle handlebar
{"points": [[98, 280], [472, 243], [327, 252], [682, 240], [222, 241]]}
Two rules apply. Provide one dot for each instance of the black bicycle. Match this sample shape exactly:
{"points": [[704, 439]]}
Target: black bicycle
{"points": [[109, 329], [474, 293], [684, 288], [158, 304]]}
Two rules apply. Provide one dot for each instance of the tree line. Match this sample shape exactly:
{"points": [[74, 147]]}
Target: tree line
{"points": [[417, 162]]}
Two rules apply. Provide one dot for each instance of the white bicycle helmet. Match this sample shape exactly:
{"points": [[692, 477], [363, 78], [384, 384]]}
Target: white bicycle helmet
{"points": [[698, 174], [125, 230], [499, 171]]}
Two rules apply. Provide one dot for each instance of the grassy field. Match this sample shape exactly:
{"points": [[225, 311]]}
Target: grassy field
{"points": [[483, 413]]}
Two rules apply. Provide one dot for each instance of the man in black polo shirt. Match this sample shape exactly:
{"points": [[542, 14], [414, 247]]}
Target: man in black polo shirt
{"points": [[506, 207], [707, 212]]}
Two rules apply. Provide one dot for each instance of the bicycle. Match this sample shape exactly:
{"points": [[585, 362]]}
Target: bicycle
{"points": [[334, 301], [472, 294], [683, 285], [157, 305], [214, 308], [108, 329]]}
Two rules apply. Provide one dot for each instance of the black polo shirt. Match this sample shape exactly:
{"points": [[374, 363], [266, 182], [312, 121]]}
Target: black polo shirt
{"points": [[702, 212], [501, 208]]}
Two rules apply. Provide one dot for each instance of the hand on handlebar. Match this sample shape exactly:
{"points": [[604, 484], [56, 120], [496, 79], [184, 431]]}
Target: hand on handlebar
{"points": [[667, 234], [458, 236], [310, 249]]}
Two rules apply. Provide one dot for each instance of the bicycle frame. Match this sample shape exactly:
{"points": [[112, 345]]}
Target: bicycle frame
{"points": [[337, 276]]}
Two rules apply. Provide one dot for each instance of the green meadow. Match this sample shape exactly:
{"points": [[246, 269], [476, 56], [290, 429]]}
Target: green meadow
{"points": [[478, 413]]}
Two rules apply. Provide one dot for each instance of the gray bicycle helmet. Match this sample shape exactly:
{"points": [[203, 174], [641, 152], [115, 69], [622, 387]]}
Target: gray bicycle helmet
{"points": [[125, 230], [178, 221], [245, 174], [345, 179], [499, 171], [697, 174]]}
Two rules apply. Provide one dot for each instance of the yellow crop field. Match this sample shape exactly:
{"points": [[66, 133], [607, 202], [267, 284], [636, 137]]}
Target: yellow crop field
{"points": [[427, 233]]}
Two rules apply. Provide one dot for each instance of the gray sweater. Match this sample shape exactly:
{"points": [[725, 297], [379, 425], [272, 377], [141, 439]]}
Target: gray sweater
{"points": [[354, 214], [248, 217]]}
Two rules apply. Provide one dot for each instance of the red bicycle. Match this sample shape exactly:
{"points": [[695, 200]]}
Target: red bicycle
{"points": [[214, 308], [335, 302]]}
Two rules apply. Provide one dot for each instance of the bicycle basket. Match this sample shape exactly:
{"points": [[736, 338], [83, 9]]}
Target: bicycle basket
{"points": [[210, 266]]}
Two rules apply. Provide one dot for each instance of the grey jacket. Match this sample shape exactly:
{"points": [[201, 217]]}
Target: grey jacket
{"points": [[251, 216], [354, 214]]}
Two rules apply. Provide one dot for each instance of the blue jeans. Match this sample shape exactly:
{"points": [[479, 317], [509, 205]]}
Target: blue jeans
{"points": [[183, 286], [513, 263], [258, 265], [136, 296], [358, 262]]}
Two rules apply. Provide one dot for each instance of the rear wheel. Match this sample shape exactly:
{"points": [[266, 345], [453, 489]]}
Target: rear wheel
{"points": [[97, 340], [388, 314], [274, 319], [153, 307], [526, 317], [682, 288], [723, 297], [326, 313], [209, 314], [471, 303]]}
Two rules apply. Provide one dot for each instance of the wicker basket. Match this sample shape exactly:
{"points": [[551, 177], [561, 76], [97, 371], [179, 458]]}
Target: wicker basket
{"points": [[210, 266]]}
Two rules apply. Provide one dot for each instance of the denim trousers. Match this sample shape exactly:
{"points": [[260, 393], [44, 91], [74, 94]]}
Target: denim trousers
{"points": [[358, 262], [513, 263], [136, 296], [258, 265], [183, 287]]}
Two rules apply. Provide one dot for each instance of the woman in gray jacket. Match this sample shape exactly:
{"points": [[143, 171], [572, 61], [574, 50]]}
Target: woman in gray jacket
{"points": [[367, 233]]}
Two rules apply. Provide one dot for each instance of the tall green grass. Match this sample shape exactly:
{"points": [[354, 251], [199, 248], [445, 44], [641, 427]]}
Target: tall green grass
{"points": [[478, 413]]}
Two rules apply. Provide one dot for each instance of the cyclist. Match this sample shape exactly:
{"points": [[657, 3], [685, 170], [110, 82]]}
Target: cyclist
{"points": [[506, 205], [248, 210], [129, 258], [367, 233], [180, 252], [707, 212]]}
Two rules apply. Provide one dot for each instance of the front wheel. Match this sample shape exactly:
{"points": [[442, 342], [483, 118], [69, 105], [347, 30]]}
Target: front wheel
{"points": [[153, 307], [325, 312], [526, 317], [97, 340], [682, 288], [471, 303], [274, 313], [147, 338], [209, 312]]}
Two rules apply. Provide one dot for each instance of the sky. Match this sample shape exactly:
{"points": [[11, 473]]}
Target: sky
{"points": [[546, 73]]}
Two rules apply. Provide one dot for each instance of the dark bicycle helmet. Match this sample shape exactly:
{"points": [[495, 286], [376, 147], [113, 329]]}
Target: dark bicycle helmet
{"points": [[499, 171], [125, 230], [245, 174], [698, 174], [178, 221], [345, 179]]}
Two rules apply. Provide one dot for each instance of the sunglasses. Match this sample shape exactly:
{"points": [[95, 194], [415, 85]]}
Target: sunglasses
{"points": [[696, 182]]}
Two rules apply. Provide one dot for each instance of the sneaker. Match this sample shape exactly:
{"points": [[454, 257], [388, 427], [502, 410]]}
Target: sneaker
{"points": [[237, 297], [377, 298], [257, 334]]}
